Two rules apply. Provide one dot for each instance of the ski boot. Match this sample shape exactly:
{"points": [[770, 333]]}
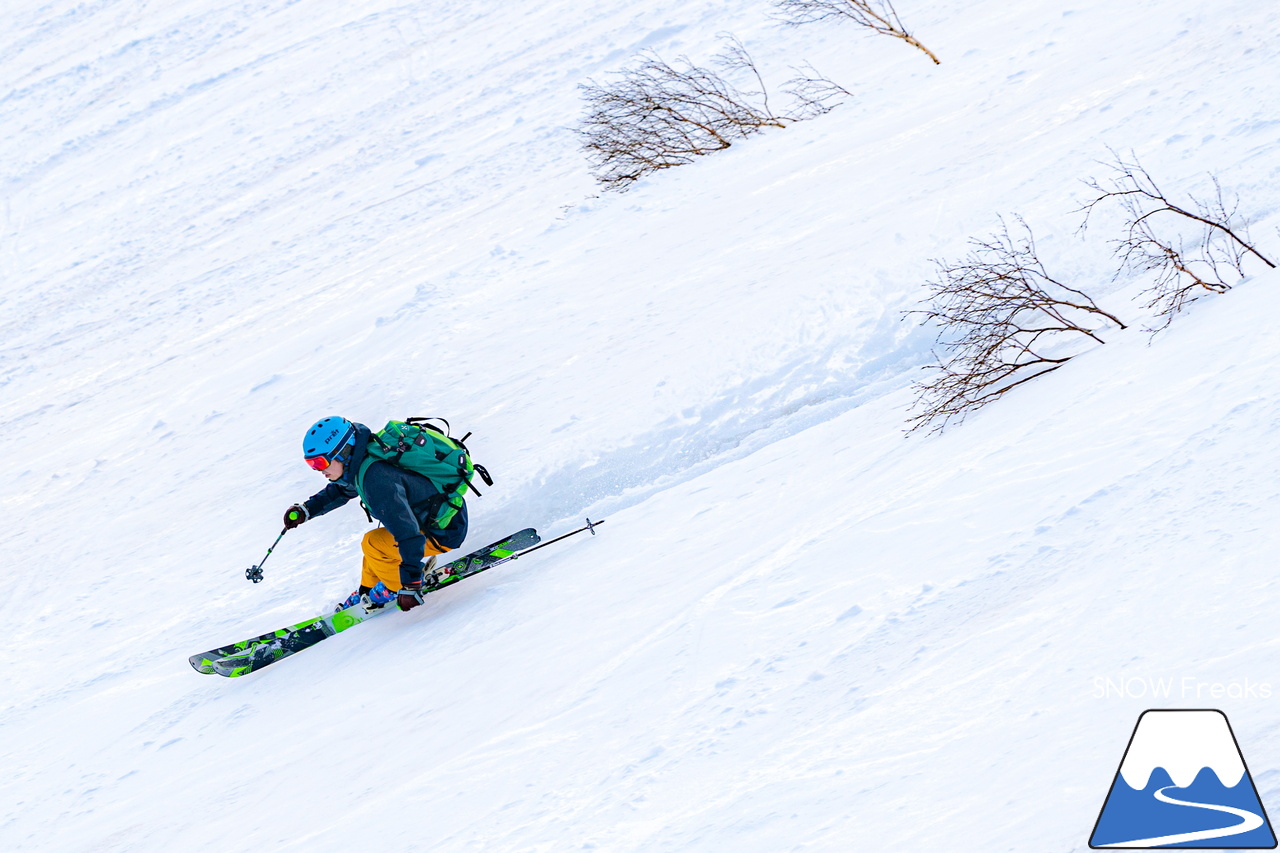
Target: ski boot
{"points": [[373, 598]]}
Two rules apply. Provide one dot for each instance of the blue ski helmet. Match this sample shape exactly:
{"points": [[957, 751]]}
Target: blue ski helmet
{"points": [[327, 438]]}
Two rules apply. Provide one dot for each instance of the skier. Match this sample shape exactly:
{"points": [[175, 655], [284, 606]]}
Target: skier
{"points": [[401, 553]]}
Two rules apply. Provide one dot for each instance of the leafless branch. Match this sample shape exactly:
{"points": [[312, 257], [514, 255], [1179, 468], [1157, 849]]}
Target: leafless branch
{"points": [[812, 94], [999, 314], [877, 15], [1182, 274], [656, 115]]}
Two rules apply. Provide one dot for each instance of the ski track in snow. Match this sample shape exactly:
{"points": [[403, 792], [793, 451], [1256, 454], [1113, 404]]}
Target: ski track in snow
{"points": [[800, 631]]}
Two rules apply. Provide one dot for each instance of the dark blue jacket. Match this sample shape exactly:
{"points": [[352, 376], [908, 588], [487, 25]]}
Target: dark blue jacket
{"points": [[401, 500]]}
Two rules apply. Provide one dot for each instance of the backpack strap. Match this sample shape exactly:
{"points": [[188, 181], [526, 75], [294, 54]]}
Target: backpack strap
{"points": [[426, 422], [484, 475]]}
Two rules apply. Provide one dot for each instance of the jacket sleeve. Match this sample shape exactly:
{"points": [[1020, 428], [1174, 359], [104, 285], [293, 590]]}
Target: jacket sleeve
{"points": [[327, 499], [385, 494]]}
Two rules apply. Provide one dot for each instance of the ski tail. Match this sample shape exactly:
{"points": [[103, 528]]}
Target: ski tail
{"points": [[204, 661], [264, 654]]}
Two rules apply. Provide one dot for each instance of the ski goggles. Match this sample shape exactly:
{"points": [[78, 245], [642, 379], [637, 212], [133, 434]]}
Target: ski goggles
{"points": [[319, 463]]}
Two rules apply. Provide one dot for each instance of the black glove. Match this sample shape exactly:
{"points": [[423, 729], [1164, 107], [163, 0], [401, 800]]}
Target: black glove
{"points": [[410, 596], [295, 515]]}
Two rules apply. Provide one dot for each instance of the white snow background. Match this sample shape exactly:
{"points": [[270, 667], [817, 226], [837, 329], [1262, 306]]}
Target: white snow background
{"points": [[799, 629]]}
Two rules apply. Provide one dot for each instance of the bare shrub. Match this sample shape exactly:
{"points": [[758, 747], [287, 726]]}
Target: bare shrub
{"points": [[1002, 319], [877, 15], [656, 115], [1183, 270]]}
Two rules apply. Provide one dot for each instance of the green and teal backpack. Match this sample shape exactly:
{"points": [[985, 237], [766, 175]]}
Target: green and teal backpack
{"points": [[417, 445]]}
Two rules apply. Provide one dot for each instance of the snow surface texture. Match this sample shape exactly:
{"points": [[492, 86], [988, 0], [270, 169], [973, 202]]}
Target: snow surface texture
{"points": [[799, 631]]}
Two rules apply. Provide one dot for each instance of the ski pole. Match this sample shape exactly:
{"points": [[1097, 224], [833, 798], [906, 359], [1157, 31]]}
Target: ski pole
{"points": [[254, 573], [591, 525]]}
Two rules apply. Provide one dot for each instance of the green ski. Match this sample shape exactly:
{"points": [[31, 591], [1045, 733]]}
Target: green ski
{"points": [[250, 655]]}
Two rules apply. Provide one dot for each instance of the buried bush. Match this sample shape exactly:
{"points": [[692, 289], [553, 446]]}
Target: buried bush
{"points": [[876, 15], [657, 115], [1001, 322], [1156, 241]]}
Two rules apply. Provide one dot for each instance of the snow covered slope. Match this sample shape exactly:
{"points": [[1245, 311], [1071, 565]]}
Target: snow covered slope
{"points": [[799, 629]]}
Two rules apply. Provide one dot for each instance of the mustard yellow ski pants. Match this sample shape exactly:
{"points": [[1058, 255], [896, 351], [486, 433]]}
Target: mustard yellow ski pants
{"points": [[382, 559]]}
